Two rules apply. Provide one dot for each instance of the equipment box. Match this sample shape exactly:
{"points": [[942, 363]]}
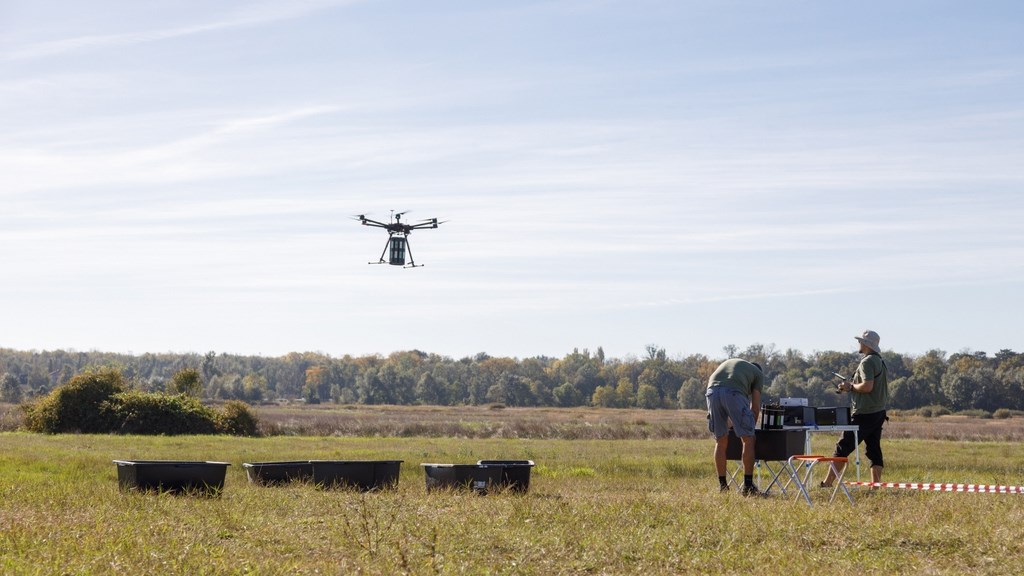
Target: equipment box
{"points": [[515, 474], [181, 476], [832, 416], [769, 445], [362, 475], [798, 416]]}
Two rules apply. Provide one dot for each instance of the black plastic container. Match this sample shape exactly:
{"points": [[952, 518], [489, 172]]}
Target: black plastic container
{"points": [[279, 472], [798, 416], [476, 477], [515, 474], [832, 416], [768, 445], [171, 475], [363, 475]]}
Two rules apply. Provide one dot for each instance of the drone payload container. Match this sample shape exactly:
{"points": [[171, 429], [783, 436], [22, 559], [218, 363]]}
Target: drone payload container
{"points": [[397, 256]]}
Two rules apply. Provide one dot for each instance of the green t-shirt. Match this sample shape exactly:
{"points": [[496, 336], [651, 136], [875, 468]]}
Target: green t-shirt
{"points": [[738, 375], [871, 368]]}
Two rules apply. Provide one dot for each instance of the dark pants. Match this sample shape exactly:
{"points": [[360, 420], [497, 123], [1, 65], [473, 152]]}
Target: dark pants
{"points": [[870, 434]]}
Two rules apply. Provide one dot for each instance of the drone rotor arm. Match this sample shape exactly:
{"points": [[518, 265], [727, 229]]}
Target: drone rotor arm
{"points": [[427, 224], [374, 223]]}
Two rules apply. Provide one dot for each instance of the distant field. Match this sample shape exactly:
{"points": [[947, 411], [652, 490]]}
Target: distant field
{"points": [[572, 423], [595, 506], [565, 423]]}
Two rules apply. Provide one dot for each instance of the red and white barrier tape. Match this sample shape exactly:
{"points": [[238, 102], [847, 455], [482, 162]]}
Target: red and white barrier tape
{"points": [[978, 488]]}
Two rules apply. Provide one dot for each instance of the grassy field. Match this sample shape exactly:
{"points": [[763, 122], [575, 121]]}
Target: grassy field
{"points": [[626, 506]]}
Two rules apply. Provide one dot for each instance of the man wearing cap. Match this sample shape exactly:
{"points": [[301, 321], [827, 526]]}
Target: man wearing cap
{"points": [[869, 392], [734, 393]]}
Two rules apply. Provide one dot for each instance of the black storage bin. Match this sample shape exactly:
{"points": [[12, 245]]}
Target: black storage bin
{"points": [[278, 472], [515, 474], [769, 445], [363, 475], [832, 416], [476, 477], [798, 416], [171, 475]]}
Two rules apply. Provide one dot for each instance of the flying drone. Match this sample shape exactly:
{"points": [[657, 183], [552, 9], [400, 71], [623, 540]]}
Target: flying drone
{"points": [[398, 241]]}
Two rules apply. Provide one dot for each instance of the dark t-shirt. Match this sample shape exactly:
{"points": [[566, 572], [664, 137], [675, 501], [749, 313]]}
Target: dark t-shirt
{"points": [[872, 368], [737, 374]]}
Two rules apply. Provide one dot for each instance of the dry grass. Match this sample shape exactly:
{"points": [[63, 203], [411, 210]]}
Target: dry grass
{"points": [[551, 423], [594, 507], [479, 422], [574, 423]]}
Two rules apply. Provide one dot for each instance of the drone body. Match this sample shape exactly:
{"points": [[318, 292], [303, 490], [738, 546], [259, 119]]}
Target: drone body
{"points": [[398, 242]]}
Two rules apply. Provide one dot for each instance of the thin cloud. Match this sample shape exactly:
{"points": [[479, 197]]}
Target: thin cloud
{"points": [[257, 15]]}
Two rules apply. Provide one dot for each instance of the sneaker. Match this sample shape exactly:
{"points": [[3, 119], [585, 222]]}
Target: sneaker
{"points": [[723, 488], [753, 492]]}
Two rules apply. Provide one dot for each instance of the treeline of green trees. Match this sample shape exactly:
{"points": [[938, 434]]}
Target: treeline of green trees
{"points": [[961, 381]]}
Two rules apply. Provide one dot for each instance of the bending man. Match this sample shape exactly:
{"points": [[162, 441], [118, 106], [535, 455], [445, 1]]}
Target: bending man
{"points": [[734, 393]]}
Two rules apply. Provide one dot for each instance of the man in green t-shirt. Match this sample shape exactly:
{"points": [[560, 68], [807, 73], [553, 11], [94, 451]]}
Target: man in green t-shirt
{"points": [[869, 393], [734, 394]]}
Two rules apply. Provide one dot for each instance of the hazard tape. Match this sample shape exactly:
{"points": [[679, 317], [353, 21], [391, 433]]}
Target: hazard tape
{"points": [[977, 488]]}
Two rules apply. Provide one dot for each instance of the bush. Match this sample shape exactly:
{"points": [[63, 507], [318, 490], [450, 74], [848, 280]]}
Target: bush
{"points": [[75, 406], [237, 419], [145, 413], [976, 413], [934, 411], [1002, 414], [96, 402]]}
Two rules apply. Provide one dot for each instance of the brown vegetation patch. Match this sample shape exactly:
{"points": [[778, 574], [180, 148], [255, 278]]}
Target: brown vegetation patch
{"points": [[564, 423], [570, 423]]}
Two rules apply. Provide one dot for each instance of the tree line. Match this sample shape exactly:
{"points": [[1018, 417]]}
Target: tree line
{"points": [[961, 381]]}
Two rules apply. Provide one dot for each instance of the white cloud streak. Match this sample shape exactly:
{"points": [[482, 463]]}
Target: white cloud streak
{"points": [[260, 14]]}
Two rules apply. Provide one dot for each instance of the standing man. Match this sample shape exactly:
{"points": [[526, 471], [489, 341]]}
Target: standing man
{"points": [[869, 393], [734, 393]]}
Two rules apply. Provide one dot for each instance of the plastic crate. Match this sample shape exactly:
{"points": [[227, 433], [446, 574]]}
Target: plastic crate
{"points": [[171, 475]]}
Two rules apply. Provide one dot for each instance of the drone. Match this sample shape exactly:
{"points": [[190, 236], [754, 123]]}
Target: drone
{"points": [[398, 241]]}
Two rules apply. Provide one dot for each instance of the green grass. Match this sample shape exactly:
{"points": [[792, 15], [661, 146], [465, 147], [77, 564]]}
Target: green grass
{"points": [[594, 507]]}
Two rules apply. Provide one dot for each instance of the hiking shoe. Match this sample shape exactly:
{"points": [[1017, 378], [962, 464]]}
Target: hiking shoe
{"points": [[753, 492]]}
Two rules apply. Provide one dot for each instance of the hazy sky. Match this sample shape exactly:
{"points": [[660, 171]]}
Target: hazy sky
{"points": [[180, 176]]}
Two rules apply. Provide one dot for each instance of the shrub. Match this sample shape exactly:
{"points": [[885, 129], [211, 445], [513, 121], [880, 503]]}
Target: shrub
{"points": [[1002, 414], [934, 411], [976, 413], [96, 402], [75, 406], [237, 419], [146, 413]]}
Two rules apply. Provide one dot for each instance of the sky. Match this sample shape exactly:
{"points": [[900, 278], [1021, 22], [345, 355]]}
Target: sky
{"points": [[181, 176]]}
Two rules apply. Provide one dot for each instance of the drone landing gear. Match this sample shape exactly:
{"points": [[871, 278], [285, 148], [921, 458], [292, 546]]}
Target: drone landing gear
{"points": [[398, 246]]}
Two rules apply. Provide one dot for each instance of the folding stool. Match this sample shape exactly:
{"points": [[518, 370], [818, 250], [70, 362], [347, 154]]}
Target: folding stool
{"points": [[809, 461]]}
